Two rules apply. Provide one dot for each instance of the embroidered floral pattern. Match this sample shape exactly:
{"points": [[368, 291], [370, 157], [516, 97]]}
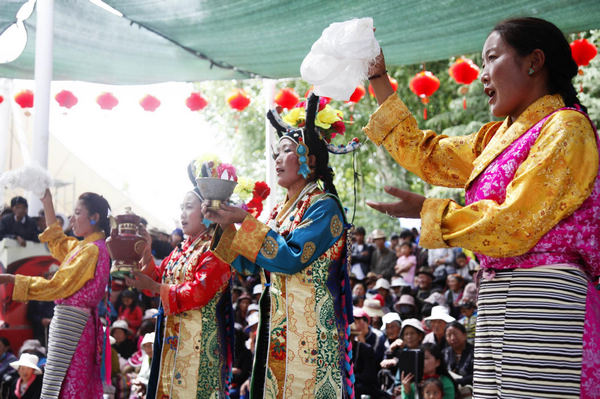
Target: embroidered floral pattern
{"points": [[307, 251], [304, 349], [269, 248], [336, 226]]}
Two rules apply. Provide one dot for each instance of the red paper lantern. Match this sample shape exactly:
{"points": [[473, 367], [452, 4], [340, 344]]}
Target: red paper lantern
{"points": [[238, 99], [24, 99], [1, 99], [583, 51], [358, 94], [195, 102], [464, 72], [66, 99], [107, 101], [424, 84], [393, 82], [287, 98], [150, 103]]}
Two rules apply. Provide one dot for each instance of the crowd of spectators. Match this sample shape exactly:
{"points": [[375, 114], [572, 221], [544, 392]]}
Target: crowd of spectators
{"points": [[415, 313]]}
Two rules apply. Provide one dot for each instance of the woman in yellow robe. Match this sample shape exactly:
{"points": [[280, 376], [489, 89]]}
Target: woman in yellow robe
{"points": [[532, 212], [73, 368]]}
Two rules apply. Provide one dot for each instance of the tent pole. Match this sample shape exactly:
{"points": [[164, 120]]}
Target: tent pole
{"points": [[43, 78], [270, 176], [5, 114]]}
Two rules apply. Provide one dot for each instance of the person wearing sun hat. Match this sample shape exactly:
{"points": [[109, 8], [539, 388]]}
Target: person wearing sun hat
{"points": [[383, 288], [303, 340], [399, 286], [122, 334], [391, 325], [29, 384], [406, 307], [437, 321]]}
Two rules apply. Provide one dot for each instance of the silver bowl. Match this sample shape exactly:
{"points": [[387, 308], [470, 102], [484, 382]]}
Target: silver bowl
{"points": [[215, 190]]}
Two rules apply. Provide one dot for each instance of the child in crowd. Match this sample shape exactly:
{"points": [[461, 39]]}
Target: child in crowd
{"points": [[433, 367], [432, 389], [129, 310], [468, 310], [406, 262]]}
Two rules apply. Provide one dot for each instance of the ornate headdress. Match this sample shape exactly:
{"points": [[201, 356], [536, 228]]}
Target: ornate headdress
{"points": [[313, 131]]}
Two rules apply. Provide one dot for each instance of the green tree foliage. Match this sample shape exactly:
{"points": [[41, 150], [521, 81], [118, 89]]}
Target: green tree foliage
{"points": [[373, 167]]}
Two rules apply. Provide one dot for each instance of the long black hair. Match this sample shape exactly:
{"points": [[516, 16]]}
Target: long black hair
{"points": [[527, 34], [317, 146], [95, 203]]}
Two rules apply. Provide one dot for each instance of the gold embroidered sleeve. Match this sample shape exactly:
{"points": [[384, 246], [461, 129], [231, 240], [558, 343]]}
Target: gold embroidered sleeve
{"points": [[69, 278], [437, 159], [59, 243], [554, 180], [431, 220], [249, 238], [224, 250]]}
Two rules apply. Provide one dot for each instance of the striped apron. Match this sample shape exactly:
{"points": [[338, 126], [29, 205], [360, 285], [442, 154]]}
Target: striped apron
{"points": [[66, 328]]}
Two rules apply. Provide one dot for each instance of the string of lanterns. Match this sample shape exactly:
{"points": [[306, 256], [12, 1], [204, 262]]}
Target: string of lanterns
{"points": [[424, 84]]}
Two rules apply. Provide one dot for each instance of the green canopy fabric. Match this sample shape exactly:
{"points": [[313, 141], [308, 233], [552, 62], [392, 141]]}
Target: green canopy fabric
{"points": [[158, 40]]}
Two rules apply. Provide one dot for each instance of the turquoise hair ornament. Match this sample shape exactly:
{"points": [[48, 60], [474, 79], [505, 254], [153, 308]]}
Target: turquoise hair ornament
{"points": [[302, 151]]}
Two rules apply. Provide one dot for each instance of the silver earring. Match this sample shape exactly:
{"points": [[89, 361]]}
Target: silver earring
{"points": [[531, 71]]}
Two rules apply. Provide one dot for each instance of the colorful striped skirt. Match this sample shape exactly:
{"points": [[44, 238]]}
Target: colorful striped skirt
{"points": [[529, 340], [66, 328]]}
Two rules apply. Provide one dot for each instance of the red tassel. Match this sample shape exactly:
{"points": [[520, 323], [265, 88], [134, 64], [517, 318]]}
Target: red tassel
{"points": [[425, 113], [464, 103]]}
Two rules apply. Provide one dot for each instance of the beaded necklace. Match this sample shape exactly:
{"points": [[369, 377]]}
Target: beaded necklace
{"points": [[184, 254], [277, 220]]}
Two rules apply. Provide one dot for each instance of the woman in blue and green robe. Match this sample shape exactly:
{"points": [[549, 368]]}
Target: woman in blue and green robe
{"points": [[302, 349]]}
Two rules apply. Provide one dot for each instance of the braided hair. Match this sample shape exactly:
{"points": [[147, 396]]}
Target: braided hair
{"points": [[528, 34], [317, 147], [322, 170]]}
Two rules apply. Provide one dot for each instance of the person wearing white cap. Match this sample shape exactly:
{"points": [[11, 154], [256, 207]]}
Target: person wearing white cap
{"points": [[391, 325], [28, 385], [257, 292], [382, 286], [438, 320], [250, 329], [140, 383]]}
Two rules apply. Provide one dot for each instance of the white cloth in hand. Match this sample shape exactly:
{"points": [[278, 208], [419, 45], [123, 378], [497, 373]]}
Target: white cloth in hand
{"points": [[339, 60]]}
